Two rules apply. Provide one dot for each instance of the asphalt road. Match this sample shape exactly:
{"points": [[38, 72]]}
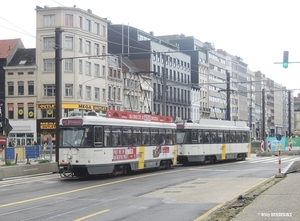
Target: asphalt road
{"points": [[181, 193]]}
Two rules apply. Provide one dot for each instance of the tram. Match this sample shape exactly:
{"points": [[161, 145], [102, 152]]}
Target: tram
{"points": [[210, 141], [116, 143]]}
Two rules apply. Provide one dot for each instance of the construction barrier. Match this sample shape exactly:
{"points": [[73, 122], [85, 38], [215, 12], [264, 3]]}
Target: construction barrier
{"points": [[269, 146], [290, 144]]}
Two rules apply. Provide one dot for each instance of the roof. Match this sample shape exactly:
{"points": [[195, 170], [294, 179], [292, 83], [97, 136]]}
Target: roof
{"points": [[23, 57], [6, 46], [130, 65]]}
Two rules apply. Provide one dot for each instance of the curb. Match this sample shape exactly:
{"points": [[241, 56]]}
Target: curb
{"points": [[26, 170]]}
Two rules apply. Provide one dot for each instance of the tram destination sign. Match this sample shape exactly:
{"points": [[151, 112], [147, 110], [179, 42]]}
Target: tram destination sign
{"points": [[138, 116], [72, 122]]}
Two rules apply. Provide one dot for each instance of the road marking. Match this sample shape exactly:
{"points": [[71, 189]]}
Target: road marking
{"points": [[24, 182], [88, 188], [94, 214]]}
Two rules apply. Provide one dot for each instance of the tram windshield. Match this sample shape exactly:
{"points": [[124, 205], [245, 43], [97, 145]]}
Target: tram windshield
{"points": [[75, 137]]}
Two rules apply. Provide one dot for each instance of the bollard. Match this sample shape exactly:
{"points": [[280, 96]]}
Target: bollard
{"points": [[279, 158], [290, 144], [262, 146], [16, 160]]}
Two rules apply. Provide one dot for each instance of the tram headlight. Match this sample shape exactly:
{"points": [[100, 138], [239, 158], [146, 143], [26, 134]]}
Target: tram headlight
{"points": [[69, 156]]}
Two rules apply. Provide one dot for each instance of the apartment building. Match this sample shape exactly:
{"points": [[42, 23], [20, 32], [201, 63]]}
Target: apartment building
{"points": [[84, 63], [170, 67], [21, 96], [8, 48]]}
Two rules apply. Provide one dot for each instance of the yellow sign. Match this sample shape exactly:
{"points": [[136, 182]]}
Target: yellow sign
{"points": [[279, 146]]}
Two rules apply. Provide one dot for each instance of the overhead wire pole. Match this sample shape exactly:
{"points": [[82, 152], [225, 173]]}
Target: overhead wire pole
{"points": [[228, 112], [58, 87], [164, 86], [290, 113]]}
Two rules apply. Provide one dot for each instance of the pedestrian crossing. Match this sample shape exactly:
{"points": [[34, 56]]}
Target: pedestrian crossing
{"points": [[271, 159]]}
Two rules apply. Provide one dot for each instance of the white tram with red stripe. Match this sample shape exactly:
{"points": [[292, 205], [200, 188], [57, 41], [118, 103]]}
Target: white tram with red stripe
{"points": [[210, 141], [117, 143]]}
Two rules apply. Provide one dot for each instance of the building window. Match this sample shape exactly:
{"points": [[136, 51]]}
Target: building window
{"points": [[96, 49], [88, 68], [110, 72], [68, 43], [49, 90], [30, 87], [114, 94], [115, 73], [69, 65], [80, 22], [80, 91], [103, 95], [119, 74], [49, 65], [69, 20], [49, 43], [88, 47], [80, 45], [96, 28], [10, 88], [20, 73], [109, 93], [69, 90], [10, 111], [20, 111], [30, 72], [30, 110], [97, 70], [88, 25], [97, 93], [10, 73], [103, 71], [48, 20], [103, 30], [119, 94], [20, 87], [88, 92], [48, 113], [103, 50], [80, 67]]}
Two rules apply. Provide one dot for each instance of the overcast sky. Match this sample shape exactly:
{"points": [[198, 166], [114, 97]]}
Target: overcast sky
{"points": [[256, 30]]}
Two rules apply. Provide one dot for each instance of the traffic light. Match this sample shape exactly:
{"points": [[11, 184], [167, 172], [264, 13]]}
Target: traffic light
{"points": [[285, 63]]}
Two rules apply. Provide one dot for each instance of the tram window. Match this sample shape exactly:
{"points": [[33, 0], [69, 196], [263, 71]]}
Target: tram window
{"points": [[200, 137], [127, 136], [245, 137], [136, 136], [98, 136], [162, 137], [194, 136], [238, 136], [206, 136], [220, 136], [145, 136], [170, 136], [107, 136], [188, 139], [226, 137], [213, 136], [180, 136], [232, 137], [116, 136], [154, 136]]}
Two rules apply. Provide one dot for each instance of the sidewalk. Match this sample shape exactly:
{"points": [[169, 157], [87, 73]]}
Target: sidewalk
{"points": [[279, 202]]}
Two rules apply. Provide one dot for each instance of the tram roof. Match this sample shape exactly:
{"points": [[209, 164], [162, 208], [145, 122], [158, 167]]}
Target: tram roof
{"points": [[215, 125], [104, 121]]}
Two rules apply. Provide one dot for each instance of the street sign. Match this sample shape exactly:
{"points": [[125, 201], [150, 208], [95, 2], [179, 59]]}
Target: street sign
{"points": [[7, 128], [3, 140]]}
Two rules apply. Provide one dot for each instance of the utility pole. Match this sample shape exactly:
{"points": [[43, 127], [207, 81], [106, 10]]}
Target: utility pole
{"points": [[58, 87], [263, 129], [164, 82], [290, 113], [228, 95]]}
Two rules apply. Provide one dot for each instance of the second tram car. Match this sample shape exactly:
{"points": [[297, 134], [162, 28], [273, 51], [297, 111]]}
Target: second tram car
{"points": [[210, 141], [116, 143]]}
